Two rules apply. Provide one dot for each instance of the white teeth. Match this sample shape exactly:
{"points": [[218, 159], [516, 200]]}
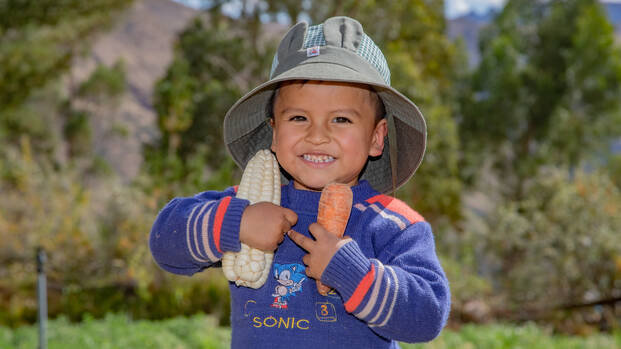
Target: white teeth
{"points": [[318, 158]]}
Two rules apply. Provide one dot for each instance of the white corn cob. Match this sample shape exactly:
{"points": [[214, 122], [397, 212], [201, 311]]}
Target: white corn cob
{"points": [[260, 181]]}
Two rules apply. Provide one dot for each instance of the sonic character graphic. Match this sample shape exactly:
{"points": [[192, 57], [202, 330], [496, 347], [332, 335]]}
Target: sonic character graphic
{"points": [[290, 278]]}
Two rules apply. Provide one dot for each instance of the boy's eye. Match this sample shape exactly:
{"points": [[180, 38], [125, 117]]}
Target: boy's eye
{"points": [[341, 119], [297, 118]]}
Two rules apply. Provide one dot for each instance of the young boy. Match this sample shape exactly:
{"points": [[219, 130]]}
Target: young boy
{"points": [[329, 115]]}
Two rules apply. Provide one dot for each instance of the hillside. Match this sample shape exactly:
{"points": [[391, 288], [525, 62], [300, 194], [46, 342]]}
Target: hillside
{"points": [[467, 28], [143, 38]]}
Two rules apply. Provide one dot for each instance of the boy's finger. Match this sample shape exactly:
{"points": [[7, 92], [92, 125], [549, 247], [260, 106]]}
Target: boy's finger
{"points": [[323, 289], [301, 240], [306, 259], [317, 230], [290, 216]]}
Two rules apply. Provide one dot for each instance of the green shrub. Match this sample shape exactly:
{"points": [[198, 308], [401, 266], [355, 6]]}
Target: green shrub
{"points": [[104, 83], [200, 331], [469, 292], [556, 248], [501, 336], [96, 238], [119, 331]]}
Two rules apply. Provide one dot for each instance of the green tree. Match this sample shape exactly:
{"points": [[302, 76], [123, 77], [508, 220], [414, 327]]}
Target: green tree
{"points": [[545, 93], [103, 88], [38, 42], [213, 65], [39, 39]]}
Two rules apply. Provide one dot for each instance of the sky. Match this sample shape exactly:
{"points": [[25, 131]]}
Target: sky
{"points": [[454, 8]]}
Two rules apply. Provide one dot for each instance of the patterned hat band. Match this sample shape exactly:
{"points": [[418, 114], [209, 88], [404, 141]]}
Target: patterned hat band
{"points": [[314, 39]]}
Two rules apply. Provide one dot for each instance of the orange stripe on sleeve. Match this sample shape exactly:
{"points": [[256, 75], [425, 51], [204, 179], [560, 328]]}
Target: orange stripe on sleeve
{"points": [[363, 287], [382, 199], [397, 206], [218, 221]]}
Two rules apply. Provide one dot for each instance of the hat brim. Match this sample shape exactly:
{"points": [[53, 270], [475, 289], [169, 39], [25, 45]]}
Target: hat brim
{"points": [[247, 131]]}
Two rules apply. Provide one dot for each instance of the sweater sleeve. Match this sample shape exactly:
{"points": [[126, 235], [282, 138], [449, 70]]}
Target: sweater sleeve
{"points": [[403, 294], [190, 234]]}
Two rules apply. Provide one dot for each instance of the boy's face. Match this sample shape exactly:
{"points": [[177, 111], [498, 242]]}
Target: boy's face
{"points": [[324, 132]]}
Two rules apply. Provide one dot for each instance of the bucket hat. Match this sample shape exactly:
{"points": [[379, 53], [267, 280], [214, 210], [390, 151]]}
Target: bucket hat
{"points": [[337, 50]]}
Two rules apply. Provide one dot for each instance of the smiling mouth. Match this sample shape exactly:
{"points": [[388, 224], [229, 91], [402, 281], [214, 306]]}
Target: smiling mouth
{"points": [[318, 159]]}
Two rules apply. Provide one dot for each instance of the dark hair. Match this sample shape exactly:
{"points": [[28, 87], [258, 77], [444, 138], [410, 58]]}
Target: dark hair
{"points": [[380, 110]]}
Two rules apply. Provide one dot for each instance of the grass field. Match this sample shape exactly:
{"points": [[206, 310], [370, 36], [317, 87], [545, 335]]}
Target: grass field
{"points": [[118, 331]]}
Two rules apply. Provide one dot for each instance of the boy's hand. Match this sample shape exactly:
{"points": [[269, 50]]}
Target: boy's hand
{"points": [[320, 250], [264, 224]]}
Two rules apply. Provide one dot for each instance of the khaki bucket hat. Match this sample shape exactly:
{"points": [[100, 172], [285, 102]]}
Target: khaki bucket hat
{"points": [[336, 50]]}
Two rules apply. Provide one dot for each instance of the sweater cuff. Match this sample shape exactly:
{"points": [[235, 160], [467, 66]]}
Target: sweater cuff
{"points": [[351, 273], [229, 235]]}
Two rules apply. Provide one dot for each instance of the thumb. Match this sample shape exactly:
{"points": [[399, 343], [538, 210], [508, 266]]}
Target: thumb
{"points": [[290, 216], [323, 289]]}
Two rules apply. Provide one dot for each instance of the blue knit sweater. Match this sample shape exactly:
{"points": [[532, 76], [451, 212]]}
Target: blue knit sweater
{"points": [[389, 285]]}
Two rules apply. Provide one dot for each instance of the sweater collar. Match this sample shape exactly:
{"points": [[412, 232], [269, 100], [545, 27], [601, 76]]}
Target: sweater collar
{"points": [[307, 201]]}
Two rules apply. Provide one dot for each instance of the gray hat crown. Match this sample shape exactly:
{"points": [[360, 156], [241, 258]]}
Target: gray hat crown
{"points": [[343, 32], [336, 32]]}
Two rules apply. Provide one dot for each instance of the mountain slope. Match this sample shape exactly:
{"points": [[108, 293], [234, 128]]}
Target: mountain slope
{"points": [[143, 39]]}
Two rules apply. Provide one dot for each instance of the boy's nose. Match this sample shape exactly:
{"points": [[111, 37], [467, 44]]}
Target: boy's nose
{"points": [[317, 134]]}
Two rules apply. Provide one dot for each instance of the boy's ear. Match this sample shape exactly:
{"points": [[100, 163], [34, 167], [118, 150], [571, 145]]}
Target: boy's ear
{"points": [[377, 141], [271, 123]]}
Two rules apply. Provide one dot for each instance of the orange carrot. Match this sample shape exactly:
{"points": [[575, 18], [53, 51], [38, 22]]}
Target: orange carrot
{"points": [[333, 213]]}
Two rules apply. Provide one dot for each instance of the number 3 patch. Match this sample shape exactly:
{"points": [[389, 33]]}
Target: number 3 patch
{"points": [[325, 312]]}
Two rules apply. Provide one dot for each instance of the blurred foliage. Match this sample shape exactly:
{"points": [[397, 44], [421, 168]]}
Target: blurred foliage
{"points": [[197, 90], [192, 98], [614, 168], [556, 249], [96, 238], [120, 331], [39, 39], [104, 82], [200, 331], [104, 87], [503, 336], [58, 123], [546, 91], [59, 194], [541, 106], [470, 293], [36, 118], [78, 133]]}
